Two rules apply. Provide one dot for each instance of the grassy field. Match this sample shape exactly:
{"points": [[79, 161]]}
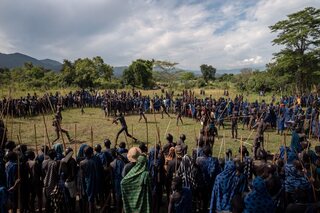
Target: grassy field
{"points": [[103, 128]]}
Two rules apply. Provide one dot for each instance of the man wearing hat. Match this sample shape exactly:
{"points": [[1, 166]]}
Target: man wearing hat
{"points": [[132, 156]]}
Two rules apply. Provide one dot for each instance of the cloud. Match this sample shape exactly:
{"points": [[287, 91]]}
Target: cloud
{"points": [[227, 34], [254, 60]]}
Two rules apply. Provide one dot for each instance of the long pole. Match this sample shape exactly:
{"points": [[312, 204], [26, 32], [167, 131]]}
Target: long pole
{"points": [[19, 189], [224, 146], [147, 135], [310, 128], [20, 130], [91, 131], [253, 129], [46, 129], [50, 103], [195, 137], [241, 149], [11, 131], [35, 137], [75, 139], [221, 143], [165, 134], [132, 135], [267, 142], [44, 141], [5, 127], [158, 134], [285, 147], [60, 130]]}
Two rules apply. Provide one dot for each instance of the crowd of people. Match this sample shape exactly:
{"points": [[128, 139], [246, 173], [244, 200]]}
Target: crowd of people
{"points": [[171, 177]]}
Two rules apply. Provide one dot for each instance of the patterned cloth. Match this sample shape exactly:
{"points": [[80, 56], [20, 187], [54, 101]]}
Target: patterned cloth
{"points": [[186, 172], [248, 165], [227, 185], [258, 200], [51, 178], [135, 188], [295, 142], [294, 180]]}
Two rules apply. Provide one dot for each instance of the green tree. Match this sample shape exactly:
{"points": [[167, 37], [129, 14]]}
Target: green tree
{"points": [[187, 76], [68, 72], [139, 73], [208, 72], [166, 66], [35, 72], [105, 71], [85, 73], [299, 34], [165, 71], [4, 76]]}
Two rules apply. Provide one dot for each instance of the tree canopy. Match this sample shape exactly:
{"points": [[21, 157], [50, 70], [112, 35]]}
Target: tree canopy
{"points": [[85, 72], [139, 73], [208, 72], [299, 35]]}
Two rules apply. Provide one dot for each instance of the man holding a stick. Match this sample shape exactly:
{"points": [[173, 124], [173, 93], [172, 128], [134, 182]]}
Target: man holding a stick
{"points": [[124, 127], [259, 138], [57, 128]]}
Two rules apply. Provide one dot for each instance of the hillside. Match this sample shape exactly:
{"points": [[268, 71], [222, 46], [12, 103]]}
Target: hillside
{"points": [[17, 60]]}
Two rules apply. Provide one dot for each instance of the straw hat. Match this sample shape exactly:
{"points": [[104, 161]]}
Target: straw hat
{"points": [[133, 154]]}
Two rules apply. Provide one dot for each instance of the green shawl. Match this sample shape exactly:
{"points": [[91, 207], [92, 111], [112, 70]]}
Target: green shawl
{"points": [[135, 188]]}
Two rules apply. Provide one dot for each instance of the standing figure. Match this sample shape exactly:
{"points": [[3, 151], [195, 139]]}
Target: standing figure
{"points": [[179, 114], [141, 113], [259, 138], [164, 109], [57, 128], [234, 125], [124, 127], [135, 188]]}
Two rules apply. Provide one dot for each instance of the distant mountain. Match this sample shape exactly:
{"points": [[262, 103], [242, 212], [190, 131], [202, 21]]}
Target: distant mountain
{"points": [[18, 60]]}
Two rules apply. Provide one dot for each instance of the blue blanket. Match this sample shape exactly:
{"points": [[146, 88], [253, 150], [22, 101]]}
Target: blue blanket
{"points": [[294, 180], [227, 185], [258, 200]]}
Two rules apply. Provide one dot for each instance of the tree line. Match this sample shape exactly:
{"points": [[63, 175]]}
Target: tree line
{"points": [[295, 68]]}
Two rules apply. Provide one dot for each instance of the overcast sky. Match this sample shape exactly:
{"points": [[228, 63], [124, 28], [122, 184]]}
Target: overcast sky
{"points": [[224, 33]]}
